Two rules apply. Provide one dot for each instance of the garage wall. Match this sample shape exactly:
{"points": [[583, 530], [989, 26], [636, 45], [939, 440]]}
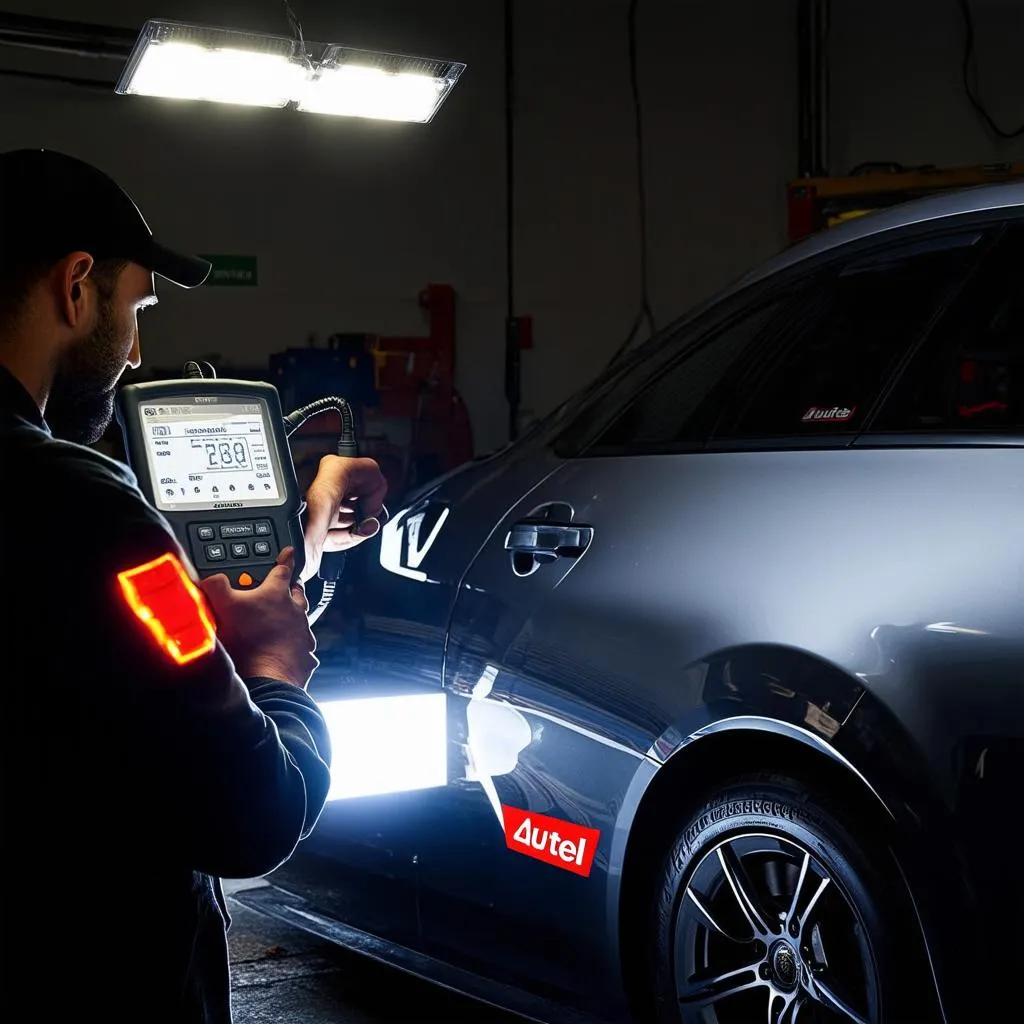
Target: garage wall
{"points": [[351, 219], [897, 86]]}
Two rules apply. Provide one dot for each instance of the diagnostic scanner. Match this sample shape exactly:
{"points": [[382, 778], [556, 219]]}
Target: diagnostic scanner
{"points": [[212, 455]]}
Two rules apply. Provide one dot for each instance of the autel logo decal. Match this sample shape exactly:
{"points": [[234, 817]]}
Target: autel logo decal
{"points": [[551, 840], [837, 414]]}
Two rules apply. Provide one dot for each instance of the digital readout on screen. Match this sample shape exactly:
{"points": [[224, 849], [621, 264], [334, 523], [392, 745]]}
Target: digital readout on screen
{"points": [[201, 456]]}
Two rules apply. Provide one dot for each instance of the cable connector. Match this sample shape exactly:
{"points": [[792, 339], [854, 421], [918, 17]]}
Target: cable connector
{"points": [[198, 369], [332, 564], [332, 403]]}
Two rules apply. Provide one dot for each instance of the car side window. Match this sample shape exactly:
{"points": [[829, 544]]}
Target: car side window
{"points": [[969, 373], [843, 347], [679, 406]]}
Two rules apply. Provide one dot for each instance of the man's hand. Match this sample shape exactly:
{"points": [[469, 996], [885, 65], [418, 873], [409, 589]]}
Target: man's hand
{"points": [[265, 630], [341, 486]]}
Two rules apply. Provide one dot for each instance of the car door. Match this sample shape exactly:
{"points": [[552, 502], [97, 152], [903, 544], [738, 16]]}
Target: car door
{"points": [[620, 570], [379, 684], [547, 755]]}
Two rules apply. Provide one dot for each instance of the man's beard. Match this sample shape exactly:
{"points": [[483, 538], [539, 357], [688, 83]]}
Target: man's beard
{"points": [[81, 402]]}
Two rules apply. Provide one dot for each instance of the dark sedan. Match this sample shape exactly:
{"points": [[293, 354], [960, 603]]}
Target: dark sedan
{"points": [[704, 701]]}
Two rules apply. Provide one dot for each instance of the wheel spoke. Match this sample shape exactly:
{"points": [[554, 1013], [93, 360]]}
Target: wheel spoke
{"points": [[799, 887], [814, 899], [742, 889], [789, 1003], [818, 949], [699, 901], [703, 991], [828, 998]]}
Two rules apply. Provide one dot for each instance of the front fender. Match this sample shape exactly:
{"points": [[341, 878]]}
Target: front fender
{"points": [[774, 707]]}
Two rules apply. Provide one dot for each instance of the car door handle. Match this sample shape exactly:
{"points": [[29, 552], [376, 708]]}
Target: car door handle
{"points": [[546, 541]]}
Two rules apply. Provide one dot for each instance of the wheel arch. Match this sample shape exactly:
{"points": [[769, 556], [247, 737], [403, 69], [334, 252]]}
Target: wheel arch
{"points": [[913, 823]]}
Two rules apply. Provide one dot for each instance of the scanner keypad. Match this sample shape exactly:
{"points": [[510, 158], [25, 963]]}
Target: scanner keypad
{"points": [[235, 542]]}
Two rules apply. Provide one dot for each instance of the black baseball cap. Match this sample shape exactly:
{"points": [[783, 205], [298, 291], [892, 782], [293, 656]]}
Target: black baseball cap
{"points": [[52, 204]]}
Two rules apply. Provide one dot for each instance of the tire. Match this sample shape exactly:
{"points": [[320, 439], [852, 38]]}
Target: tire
{"points": [[724, 909]]}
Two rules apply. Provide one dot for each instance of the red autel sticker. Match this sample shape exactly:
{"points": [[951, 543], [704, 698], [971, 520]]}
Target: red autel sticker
{"points": [[556, 842]]}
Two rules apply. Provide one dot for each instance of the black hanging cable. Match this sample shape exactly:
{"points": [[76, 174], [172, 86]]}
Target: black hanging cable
{"points": [[641, 177], [332, 563], [645, 314], [509, 160], [965, 10], [294, 24], [512, 343]]}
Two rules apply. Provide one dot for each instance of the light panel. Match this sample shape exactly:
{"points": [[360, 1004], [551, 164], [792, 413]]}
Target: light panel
{"points": [[358, 83], [381, 745], [193, 62]]}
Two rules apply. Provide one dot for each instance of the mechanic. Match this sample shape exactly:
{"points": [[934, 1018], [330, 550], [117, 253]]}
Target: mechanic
{"points": [[131, 783]]}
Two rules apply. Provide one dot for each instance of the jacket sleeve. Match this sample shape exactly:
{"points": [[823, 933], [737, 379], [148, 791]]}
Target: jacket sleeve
{"points": [[230, 774]]}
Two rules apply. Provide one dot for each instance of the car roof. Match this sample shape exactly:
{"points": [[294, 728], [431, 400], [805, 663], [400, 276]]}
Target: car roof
{"points": [[960, 202]]}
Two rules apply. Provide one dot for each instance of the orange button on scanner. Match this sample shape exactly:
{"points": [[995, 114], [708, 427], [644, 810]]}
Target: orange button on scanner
{"points": [[245, 580]]}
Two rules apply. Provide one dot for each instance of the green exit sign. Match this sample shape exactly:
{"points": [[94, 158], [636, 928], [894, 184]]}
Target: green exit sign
{"points": [[232, 271]]}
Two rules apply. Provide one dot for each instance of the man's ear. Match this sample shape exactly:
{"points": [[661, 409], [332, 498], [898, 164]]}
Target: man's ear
{"points": [[75, 300]]}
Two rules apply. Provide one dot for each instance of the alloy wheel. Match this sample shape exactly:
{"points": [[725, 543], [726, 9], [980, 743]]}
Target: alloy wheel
{"points": [[764, 932]]}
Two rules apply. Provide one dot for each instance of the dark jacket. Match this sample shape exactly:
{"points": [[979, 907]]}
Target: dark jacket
{"points": [[130, 783]]}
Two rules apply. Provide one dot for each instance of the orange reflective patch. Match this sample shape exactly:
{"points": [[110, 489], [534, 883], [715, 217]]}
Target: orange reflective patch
{"points": [[163, 597]]}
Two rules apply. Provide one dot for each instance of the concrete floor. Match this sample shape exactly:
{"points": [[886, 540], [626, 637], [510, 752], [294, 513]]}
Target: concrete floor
{"points": [[282, 976]]}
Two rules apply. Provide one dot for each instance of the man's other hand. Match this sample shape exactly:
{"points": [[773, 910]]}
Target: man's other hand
{"points": [[265, 629], [342, 486]]}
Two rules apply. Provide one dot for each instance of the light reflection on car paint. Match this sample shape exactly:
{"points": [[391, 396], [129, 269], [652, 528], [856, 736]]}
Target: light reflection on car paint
{"points": [[496, 735]]}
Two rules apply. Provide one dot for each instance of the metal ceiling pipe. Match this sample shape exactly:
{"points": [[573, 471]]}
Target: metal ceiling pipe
{"points": [[820, 69], [812, 77], [71, 37]]}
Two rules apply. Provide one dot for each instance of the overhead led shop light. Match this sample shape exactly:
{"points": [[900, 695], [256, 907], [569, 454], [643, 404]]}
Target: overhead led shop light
{"points": [[360, 83], [193, 62]]}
